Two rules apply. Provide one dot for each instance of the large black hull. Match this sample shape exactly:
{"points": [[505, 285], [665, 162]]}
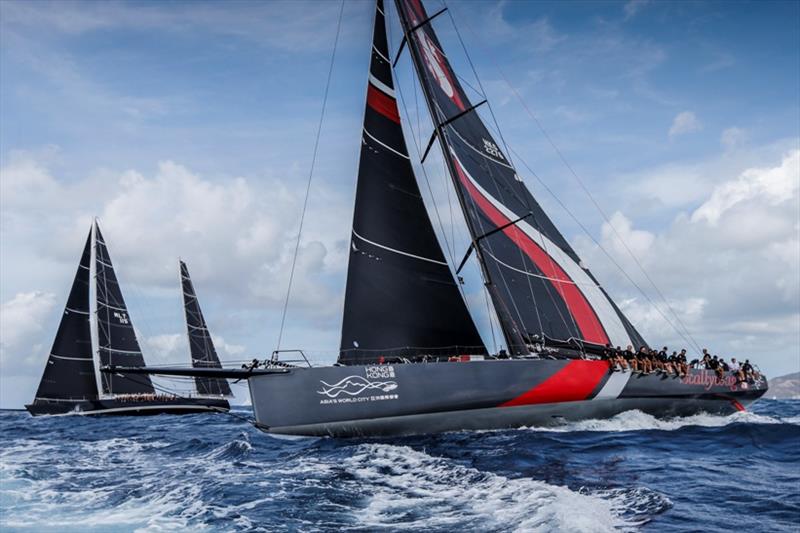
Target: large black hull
{"points": [[407, 399], [122, 407]]}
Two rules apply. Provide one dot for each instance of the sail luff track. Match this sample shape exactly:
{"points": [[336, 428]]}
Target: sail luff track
{"points": [[69, 374], [201, 346], [537, 283], [400, 291]]}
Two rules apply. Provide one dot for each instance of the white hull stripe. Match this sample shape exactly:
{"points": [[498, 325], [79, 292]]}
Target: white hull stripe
{"points": [[400, 251], [385, 145], [602, 307], [382, 87], [613, 387], [141, 408]]}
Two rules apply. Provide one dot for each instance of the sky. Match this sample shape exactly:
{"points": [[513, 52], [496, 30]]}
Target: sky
{"points": [[188, 129]]}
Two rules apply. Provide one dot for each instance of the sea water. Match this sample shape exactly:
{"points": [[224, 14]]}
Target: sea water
{"points": [[217, 473]]}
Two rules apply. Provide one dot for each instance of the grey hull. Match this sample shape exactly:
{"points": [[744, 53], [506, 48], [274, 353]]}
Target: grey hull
{"points": [[409, 399]]}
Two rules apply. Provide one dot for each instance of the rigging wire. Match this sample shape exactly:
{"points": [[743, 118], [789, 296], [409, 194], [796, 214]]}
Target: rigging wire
{"points": [[585, 189], [310, 175]]}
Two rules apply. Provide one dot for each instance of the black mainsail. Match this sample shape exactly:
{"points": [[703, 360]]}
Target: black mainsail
{"points": [[69, 374], [401, 298], [537, 282], [116, 337], [201, 346]]}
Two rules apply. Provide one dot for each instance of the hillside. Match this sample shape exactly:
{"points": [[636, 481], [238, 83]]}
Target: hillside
{"points": [[787, 386]]}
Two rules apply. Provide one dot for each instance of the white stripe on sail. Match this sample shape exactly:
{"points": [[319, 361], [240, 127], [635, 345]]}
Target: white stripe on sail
{"points": [[87, 359], [115, 350], [614, 327], [380, 54], [399, 251], [71, 310], [531, 274], [381, 86], [385, 145]]}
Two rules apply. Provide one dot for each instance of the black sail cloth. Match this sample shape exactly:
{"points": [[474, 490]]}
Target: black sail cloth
{"points": [[69, 373], [201, 346], [117, 343], [537, 282], [401, 298]]}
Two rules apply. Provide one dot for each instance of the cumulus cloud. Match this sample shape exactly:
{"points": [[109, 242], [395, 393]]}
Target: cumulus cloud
{"points": [[23, 316], [730, 267], [684, 122]]}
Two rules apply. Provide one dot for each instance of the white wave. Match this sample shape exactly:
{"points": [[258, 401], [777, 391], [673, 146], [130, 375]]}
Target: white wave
{"points": [[412, 490], [638, 421]]}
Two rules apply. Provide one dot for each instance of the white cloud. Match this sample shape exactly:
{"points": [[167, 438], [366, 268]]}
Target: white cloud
{"points": [[732, 138], [632, 7], [730, 267], [771, 186], [684, 122], [23, 316]]}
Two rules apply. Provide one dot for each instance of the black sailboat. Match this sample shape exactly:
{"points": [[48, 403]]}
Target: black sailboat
{"points": [[411, 360], [72, 384]]}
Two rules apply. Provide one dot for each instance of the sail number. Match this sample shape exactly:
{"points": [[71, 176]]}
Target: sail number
{"points": [[491, 148]]}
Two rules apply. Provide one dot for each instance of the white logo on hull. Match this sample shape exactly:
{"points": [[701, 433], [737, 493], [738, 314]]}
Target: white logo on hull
{"points": [[348, 390]]}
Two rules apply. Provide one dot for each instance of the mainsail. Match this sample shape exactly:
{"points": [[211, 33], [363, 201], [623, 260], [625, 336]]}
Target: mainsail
{"points": [[69, 373], [117, 343], [400, 292], [201, 347], [537, 282]]}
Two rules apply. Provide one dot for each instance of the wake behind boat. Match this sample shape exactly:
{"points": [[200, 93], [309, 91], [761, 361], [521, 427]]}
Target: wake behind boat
{"points": [[555, 319], [88, 338]]}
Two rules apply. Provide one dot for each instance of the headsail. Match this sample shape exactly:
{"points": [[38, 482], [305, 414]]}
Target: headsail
{"points": [[201, 347], [70, 373], [536, 280], [117, 343], [400, 291]]}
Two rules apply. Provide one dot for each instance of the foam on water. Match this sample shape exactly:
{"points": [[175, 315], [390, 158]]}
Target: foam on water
{"points": [[413, 490], [638, 421]]}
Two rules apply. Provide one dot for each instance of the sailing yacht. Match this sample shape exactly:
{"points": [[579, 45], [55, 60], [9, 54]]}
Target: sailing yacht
{"points": [[89, 338], [411, 359]]}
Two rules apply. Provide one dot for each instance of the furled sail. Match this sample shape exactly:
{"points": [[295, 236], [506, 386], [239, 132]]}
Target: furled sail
{"points": [[70, 373], [201, 347], [401, 298], [536, 280], [117, 343]]}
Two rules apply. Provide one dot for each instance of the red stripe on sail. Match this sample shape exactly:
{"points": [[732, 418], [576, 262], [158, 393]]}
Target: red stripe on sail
{"points": [[574, 382], [383, 104], [585, 318]]}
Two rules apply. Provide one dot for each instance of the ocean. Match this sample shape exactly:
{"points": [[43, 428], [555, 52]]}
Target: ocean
{"points": [[217, 473]]}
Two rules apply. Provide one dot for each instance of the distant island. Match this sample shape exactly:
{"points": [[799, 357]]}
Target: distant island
{"points": [[784, 387]]}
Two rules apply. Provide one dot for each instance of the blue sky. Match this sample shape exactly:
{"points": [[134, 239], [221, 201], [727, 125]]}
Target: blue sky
{"points": [[187, 127]]}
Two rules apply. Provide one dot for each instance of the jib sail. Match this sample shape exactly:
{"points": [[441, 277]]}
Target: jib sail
{"points": [[536, 280], [401, 298], [117, 343], [201, 346]]}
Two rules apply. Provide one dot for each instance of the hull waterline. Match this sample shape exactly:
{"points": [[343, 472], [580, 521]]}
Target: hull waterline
{"points": [[115, 407], [408, 399]]}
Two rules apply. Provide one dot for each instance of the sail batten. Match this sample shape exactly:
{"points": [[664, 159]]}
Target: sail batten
{"points": [[201, 346], [400, 294], [536, 281]]}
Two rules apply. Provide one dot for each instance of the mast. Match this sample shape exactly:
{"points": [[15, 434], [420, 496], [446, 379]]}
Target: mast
{"points": [[69, 374], [536, 281], [117, 343], [95, 344], [201, 346], [401, 298]]}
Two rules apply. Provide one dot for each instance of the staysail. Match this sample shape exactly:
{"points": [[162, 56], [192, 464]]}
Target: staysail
{"points": [[537, 282], [69, 373], [401, 298], [117, 343], [201, 347]]}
